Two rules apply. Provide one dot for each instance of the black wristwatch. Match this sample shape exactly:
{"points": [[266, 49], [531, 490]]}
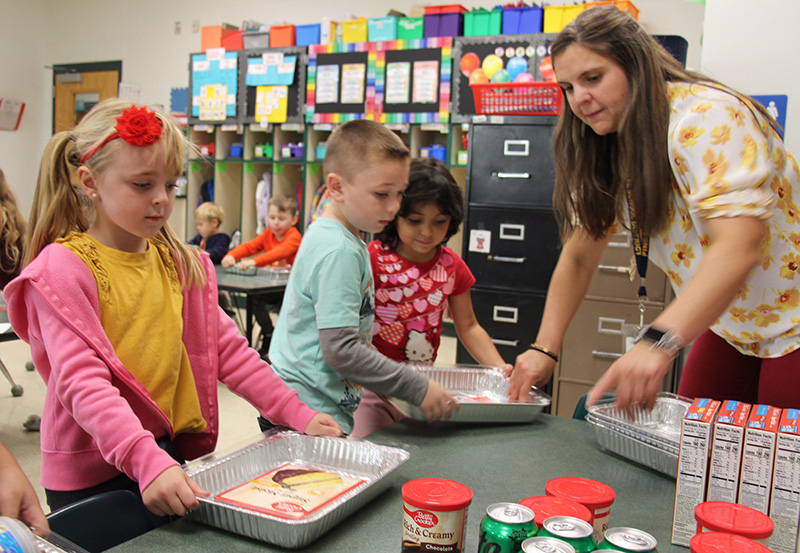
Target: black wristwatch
{"points": [[667, 341]]}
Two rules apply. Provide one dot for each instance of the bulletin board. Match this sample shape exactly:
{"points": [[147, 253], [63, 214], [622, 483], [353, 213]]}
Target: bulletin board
{"points": [[412, 83], [213, 85], [470, 53], [283, 72], [341, 82]]}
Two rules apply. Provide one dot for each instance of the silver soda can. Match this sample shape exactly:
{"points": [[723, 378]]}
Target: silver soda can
{"points": [[631, 540], [574, 531], [546, 544]]}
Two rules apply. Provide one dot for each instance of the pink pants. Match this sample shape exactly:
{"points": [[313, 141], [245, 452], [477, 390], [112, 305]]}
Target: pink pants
{"points": [[715, 369], [373, 414]]}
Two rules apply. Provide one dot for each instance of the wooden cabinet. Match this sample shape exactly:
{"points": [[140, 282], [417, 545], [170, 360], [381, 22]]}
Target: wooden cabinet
{"points": [[602, 328]]}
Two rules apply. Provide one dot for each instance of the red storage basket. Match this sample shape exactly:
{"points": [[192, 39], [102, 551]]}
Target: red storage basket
{"points": [[531, 98]]}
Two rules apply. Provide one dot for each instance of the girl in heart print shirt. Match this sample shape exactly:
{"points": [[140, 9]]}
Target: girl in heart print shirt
{"points": [[416, 278]]}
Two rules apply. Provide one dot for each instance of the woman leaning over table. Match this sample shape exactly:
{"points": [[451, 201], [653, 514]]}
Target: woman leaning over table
{"points": [[699, 169]]}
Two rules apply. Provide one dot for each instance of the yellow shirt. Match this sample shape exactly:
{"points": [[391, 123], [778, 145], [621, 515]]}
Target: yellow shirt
{"points": [[140, 310], [728, 163]]}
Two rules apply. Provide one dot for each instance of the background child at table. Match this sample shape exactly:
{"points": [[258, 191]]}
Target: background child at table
{"points": [[209, 216], [416, 276], [322, 342], [123, 322], [277, 245]]}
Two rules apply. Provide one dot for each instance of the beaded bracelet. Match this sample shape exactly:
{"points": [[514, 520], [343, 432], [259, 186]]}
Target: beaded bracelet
{"points": [[548, 352]]}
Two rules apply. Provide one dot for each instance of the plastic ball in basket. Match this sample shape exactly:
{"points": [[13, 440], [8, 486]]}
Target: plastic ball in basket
{"points": [[525, 98]]}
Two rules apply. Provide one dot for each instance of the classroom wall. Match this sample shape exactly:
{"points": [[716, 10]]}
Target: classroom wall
{"points": [[24, 77], [142, 35], [752, 48]]}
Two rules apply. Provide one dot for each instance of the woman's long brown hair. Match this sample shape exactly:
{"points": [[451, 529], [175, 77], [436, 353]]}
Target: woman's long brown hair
{"points": [[591, 170]]}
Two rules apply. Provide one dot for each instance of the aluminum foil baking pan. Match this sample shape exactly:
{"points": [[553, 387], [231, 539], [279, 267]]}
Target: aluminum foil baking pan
{"points": [[660, 427], [467, 383], [234, 270], [651, 456], [219, 472], [275, 273]]}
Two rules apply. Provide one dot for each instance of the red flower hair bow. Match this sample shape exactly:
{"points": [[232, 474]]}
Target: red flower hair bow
{"points": [[137, 126]]}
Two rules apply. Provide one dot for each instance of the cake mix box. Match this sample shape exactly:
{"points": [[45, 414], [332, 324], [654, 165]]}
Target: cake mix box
{"points": [[726, 451], [697, 429], [758, 458], [784, 509], [290, 491]]}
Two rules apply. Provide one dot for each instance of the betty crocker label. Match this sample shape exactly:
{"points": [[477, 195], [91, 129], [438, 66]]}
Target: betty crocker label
{"points": [[425, 519]]}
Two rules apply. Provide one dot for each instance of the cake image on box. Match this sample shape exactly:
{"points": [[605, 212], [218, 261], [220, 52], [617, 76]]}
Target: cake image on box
{"points": [[290, 491]]}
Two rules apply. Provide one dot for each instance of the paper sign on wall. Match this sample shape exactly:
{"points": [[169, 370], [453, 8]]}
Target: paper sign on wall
{"points": [[426, 82], [213, 102], [480, 241], [327, 84], [10, 114], [353, 83], [271, 104]]}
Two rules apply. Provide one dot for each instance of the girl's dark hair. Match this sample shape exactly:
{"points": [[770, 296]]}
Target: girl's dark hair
{"points": [[591, 170], [428, 181]]}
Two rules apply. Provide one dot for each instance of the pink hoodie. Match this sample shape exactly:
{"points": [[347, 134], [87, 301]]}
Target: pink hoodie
{"points": [[98, 419]]}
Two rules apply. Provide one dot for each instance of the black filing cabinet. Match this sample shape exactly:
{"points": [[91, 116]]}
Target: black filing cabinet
{"points": [[511, 241], [511, 245]]}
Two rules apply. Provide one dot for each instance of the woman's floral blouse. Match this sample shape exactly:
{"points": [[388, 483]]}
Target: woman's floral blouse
{"points": [[728, 162]]}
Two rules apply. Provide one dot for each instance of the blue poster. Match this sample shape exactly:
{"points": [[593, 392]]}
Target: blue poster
{"points": [[776, 105]]}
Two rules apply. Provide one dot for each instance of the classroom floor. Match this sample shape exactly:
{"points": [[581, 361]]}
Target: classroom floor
{"points": [[237, 417]]}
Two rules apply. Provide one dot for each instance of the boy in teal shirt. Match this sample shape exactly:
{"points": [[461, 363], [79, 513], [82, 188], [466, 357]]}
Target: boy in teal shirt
{"points": [[322, 343]]}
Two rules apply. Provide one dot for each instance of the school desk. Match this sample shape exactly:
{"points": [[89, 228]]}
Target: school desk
{"points": [[499, 462], [250, 287]]}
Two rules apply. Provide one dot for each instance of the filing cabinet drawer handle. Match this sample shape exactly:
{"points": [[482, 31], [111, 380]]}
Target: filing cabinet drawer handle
{"points": [[516, 147], [510, 343], [605, 354], [512, 232], [501, 259], [503, 314], [513, 175], [603, 324], [615, 269]]}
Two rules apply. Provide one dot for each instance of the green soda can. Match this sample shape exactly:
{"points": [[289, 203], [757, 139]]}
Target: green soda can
{"points": [[631, 540], [574, 531], [505, 527]]}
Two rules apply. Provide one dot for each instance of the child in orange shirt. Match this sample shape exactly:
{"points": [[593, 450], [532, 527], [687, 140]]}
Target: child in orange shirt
{"points": [[277, 245]]}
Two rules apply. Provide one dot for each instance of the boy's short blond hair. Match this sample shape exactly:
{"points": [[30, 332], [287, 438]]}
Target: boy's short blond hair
{"points": [[357, 144], [208, 211], [283, 203]]}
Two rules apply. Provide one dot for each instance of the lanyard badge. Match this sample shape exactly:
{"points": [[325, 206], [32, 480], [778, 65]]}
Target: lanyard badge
{"points": [[641, 248]]}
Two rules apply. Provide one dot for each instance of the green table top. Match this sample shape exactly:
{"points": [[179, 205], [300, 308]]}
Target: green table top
{"points": [[507, 462]]}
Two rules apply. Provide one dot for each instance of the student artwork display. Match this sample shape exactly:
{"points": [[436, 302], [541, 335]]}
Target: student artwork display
{"points": [[498, 59], [341, 82], [214, 80], [399, 81], [273, 84], [412, 83]]}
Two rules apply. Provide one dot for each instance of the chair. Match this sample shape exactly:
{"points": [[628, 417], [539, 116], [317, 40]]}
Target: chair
{"points": [[580, 409], [16, 389], [102, 521]]}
